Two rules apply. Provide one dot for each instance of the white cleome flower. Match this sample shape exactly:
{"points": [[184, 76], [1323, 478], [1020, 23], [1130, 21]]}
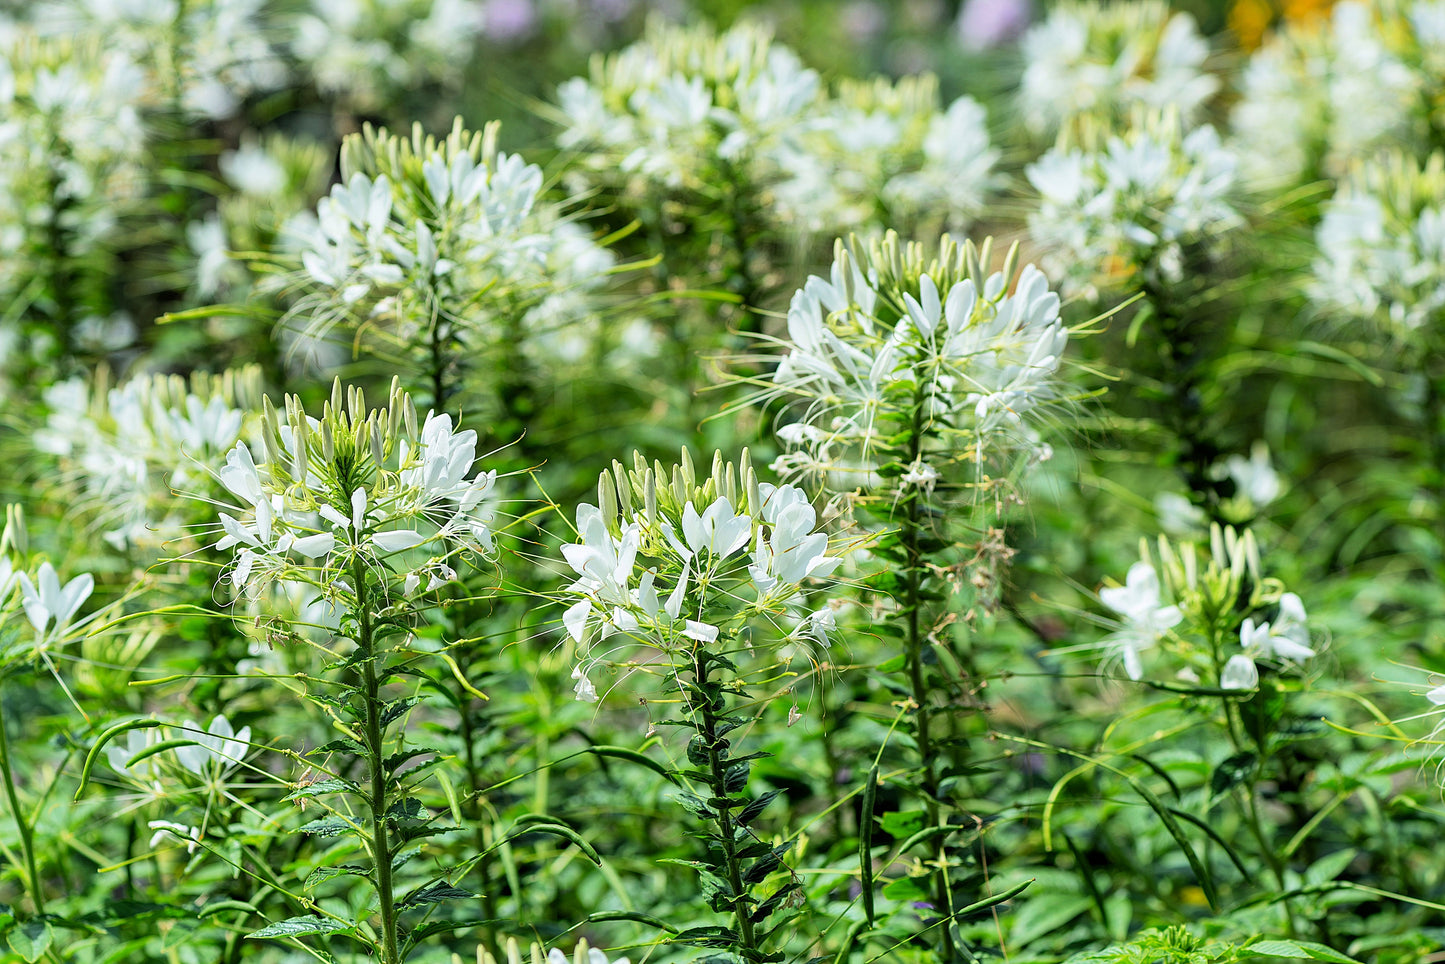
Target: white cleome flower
{"points": [[1134, 201], [1382, 245], [1145, 619], [1104, 60]]}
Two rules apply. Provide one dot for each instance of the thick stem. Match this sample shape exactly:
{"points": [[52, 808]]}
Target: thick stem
{"points": [[381, 849], [717, 770], [910, 534]]}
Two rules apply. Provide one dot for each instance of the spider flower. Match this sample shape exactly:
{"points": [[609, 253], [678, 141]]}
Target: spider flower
{"points": [[1132, 200], [686, 109], [675, 560], [891, 336], [443, 243], [1382, 246], [350, 489], [1104, 60]]}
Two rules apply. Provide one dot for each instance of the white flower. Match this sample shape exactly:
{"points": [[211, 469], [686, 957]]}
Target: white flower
{"points": [[1254, 478], [1136, 199], [1239, 673], [1286, 639], [218, 748], [164, 829], [1145, 620], [594, 956], [49, 606], [1106, 58], [136, 740], [586, 692]]}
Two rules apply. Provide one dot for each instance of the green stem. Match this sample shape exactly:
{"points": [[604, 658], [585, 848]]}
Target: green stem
{"points": [[717, 770], [27, 840], [381, 849], [910, 530]]}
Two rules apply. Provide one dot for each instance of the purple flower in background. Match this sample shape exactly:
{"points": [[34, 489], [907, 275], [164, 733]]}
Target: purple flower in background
{"points": [[862, 20], [508, 20], [983, 24]]}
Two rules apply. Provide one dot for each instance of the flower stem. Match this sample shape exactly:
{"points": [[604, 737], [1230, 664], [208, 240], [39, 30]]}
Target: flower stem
{"points": [[381, 849], [727, 829], [27, 840]]}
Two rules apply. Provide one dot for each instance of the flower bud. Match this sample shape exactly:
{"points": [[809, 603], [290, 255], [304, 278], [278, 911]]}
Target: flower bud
{"points": [[378, 453]]}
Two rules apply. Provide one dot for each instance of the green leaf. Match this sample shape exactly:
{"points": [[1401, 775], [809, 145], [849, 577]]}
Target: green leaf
{"points": [[342, 745], [322, 874], [1231, 772], [326, 827], [1308, 949], [31, 940], [904, 889], [899, 824], [407, 808], [750, 812], [435, 894], [396, 708], [335, 785], [299, 926]]}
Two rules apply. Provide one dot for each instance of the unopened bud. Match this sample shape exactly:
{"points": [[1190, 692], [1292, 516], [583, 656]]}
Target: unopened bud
{"points": [[624, 489], [607, 500], [15, 539], [649, 497], [356, 404], [689, 473], [409, 418], [338, 398], [378, 451]]}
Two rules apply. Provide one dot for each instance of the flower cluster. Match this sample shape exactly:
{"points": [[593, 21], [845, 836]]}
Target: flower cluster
{"points": [[1132, 200], [891, 332], [437, 243], [1312, 100], [350, 489], [1233, 619], [364, 52], [1382, 245], [72, 145], [270, 181], [675, 560], [205, 56], [687, 109], [1103, 60], [128, 448]]}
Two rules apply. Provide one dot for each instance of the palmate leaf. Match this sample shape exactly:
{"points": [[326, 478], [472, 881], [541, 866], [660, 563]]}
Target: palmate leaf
{"points": [[301, 926]]}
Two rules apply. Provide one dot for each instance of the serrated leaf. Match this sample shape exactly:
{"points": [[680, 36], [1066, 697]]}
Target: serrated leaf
{"points": [[435, 894], [322, 874], [342, 745], [334, 785], [750, 812], [326, 827], [407, 808], [300, 926], [393, 710]]}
